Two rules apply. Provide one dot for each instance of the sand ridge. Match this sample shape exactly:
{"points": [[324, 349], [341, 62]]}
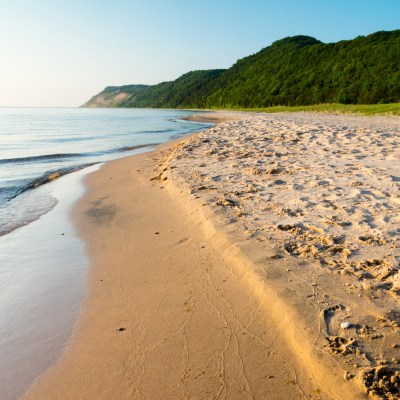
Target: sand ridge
{"points": [[325, 190]]}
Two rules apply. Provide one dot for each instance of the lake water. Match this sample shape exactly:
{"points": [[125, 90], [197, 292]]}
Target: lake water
{"points": [[43, 266], [40, 145]]}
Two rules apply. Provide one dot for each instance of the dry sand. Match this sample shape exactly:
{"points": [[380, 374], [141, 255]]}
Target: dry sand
{"points": [[224, 266]]}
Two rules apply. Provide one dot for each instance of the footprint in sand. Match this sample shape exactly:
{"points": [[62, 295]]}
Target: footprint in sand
{"points": [[341, 345], [333, 315]]}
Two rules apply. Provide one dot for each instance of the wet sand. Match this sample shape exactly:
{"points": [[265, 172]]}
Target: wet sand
{"points": [[258, 259]]}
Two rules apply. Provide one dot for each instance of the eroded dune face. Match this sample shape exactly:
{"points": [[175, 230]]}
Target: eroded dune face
{"points": [[325, 190]]}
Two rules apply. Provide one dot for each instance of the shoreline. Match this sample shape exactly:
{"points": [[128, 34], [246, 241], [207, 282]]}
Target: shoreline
{"points": [[40, 255], [170, 331], [111, 213], [32, 283]]}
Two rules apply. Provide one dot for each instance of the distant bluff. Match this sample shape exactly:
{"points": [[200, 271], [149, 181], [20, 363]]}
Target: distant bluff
{"points": [[298, 70]]}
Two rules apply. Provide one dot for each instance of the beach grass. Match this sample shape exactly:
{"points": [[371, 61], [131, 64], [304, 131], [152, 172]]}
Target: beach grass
{"points": [[365, 109]]}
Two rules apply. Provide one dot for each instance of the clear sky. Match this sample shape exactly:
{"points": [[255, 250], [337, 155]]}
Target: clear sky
{"points": [[61, 52]]}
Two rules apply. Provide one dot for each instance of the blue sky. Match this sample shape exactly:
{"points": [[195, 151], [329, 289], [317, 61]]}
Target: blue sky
{"points": [[60, 53]]}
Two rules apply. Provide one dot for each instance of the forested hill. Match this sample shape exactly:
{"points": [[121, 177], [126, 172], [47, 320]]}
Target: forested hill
{"points": [[297, 70]]}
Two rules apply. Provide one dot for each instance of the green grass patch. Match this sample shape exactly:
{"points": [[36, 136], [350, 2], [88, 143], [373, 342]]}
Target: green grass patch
{"points": [[364, 109]]}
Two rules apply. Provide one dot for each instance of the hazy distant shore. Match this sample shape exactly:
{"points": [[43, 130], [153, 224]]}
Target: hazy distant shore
{"points": [[258, 259]]}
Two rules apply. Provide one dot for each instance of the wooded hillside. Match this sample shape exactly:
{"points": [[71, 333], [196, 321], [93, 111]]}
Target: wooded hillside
{"points": [[297, 70]]}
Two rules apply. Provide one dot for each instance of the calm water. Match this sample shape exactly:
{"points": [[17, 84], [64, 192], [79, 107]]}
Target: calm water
{"points": [[39, 145], [42, 262]]}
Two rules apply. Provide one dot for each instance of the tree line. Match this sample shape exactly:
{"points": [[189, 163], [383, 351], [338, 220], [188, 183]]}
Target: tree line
{"points": [[298, 70]]}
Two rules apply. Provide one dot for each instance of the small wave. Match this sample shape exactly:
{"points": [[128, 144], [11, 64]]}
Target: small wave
{"points": [[23, 210], [67, 139], [156, 131], [77, 139], [43, 157], [68, 156], [50, 176], [9, 192], [130, 148]]}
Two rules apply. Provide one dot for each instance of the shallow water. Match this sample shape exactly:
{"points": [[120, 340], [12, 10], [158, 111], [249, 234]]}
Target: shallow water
{"points": [[38, 145]]}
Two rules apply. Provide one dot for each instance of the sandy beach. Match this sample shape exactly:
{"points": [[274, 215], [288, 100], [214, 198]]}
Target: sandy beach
{"points": [[256, 260]]}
